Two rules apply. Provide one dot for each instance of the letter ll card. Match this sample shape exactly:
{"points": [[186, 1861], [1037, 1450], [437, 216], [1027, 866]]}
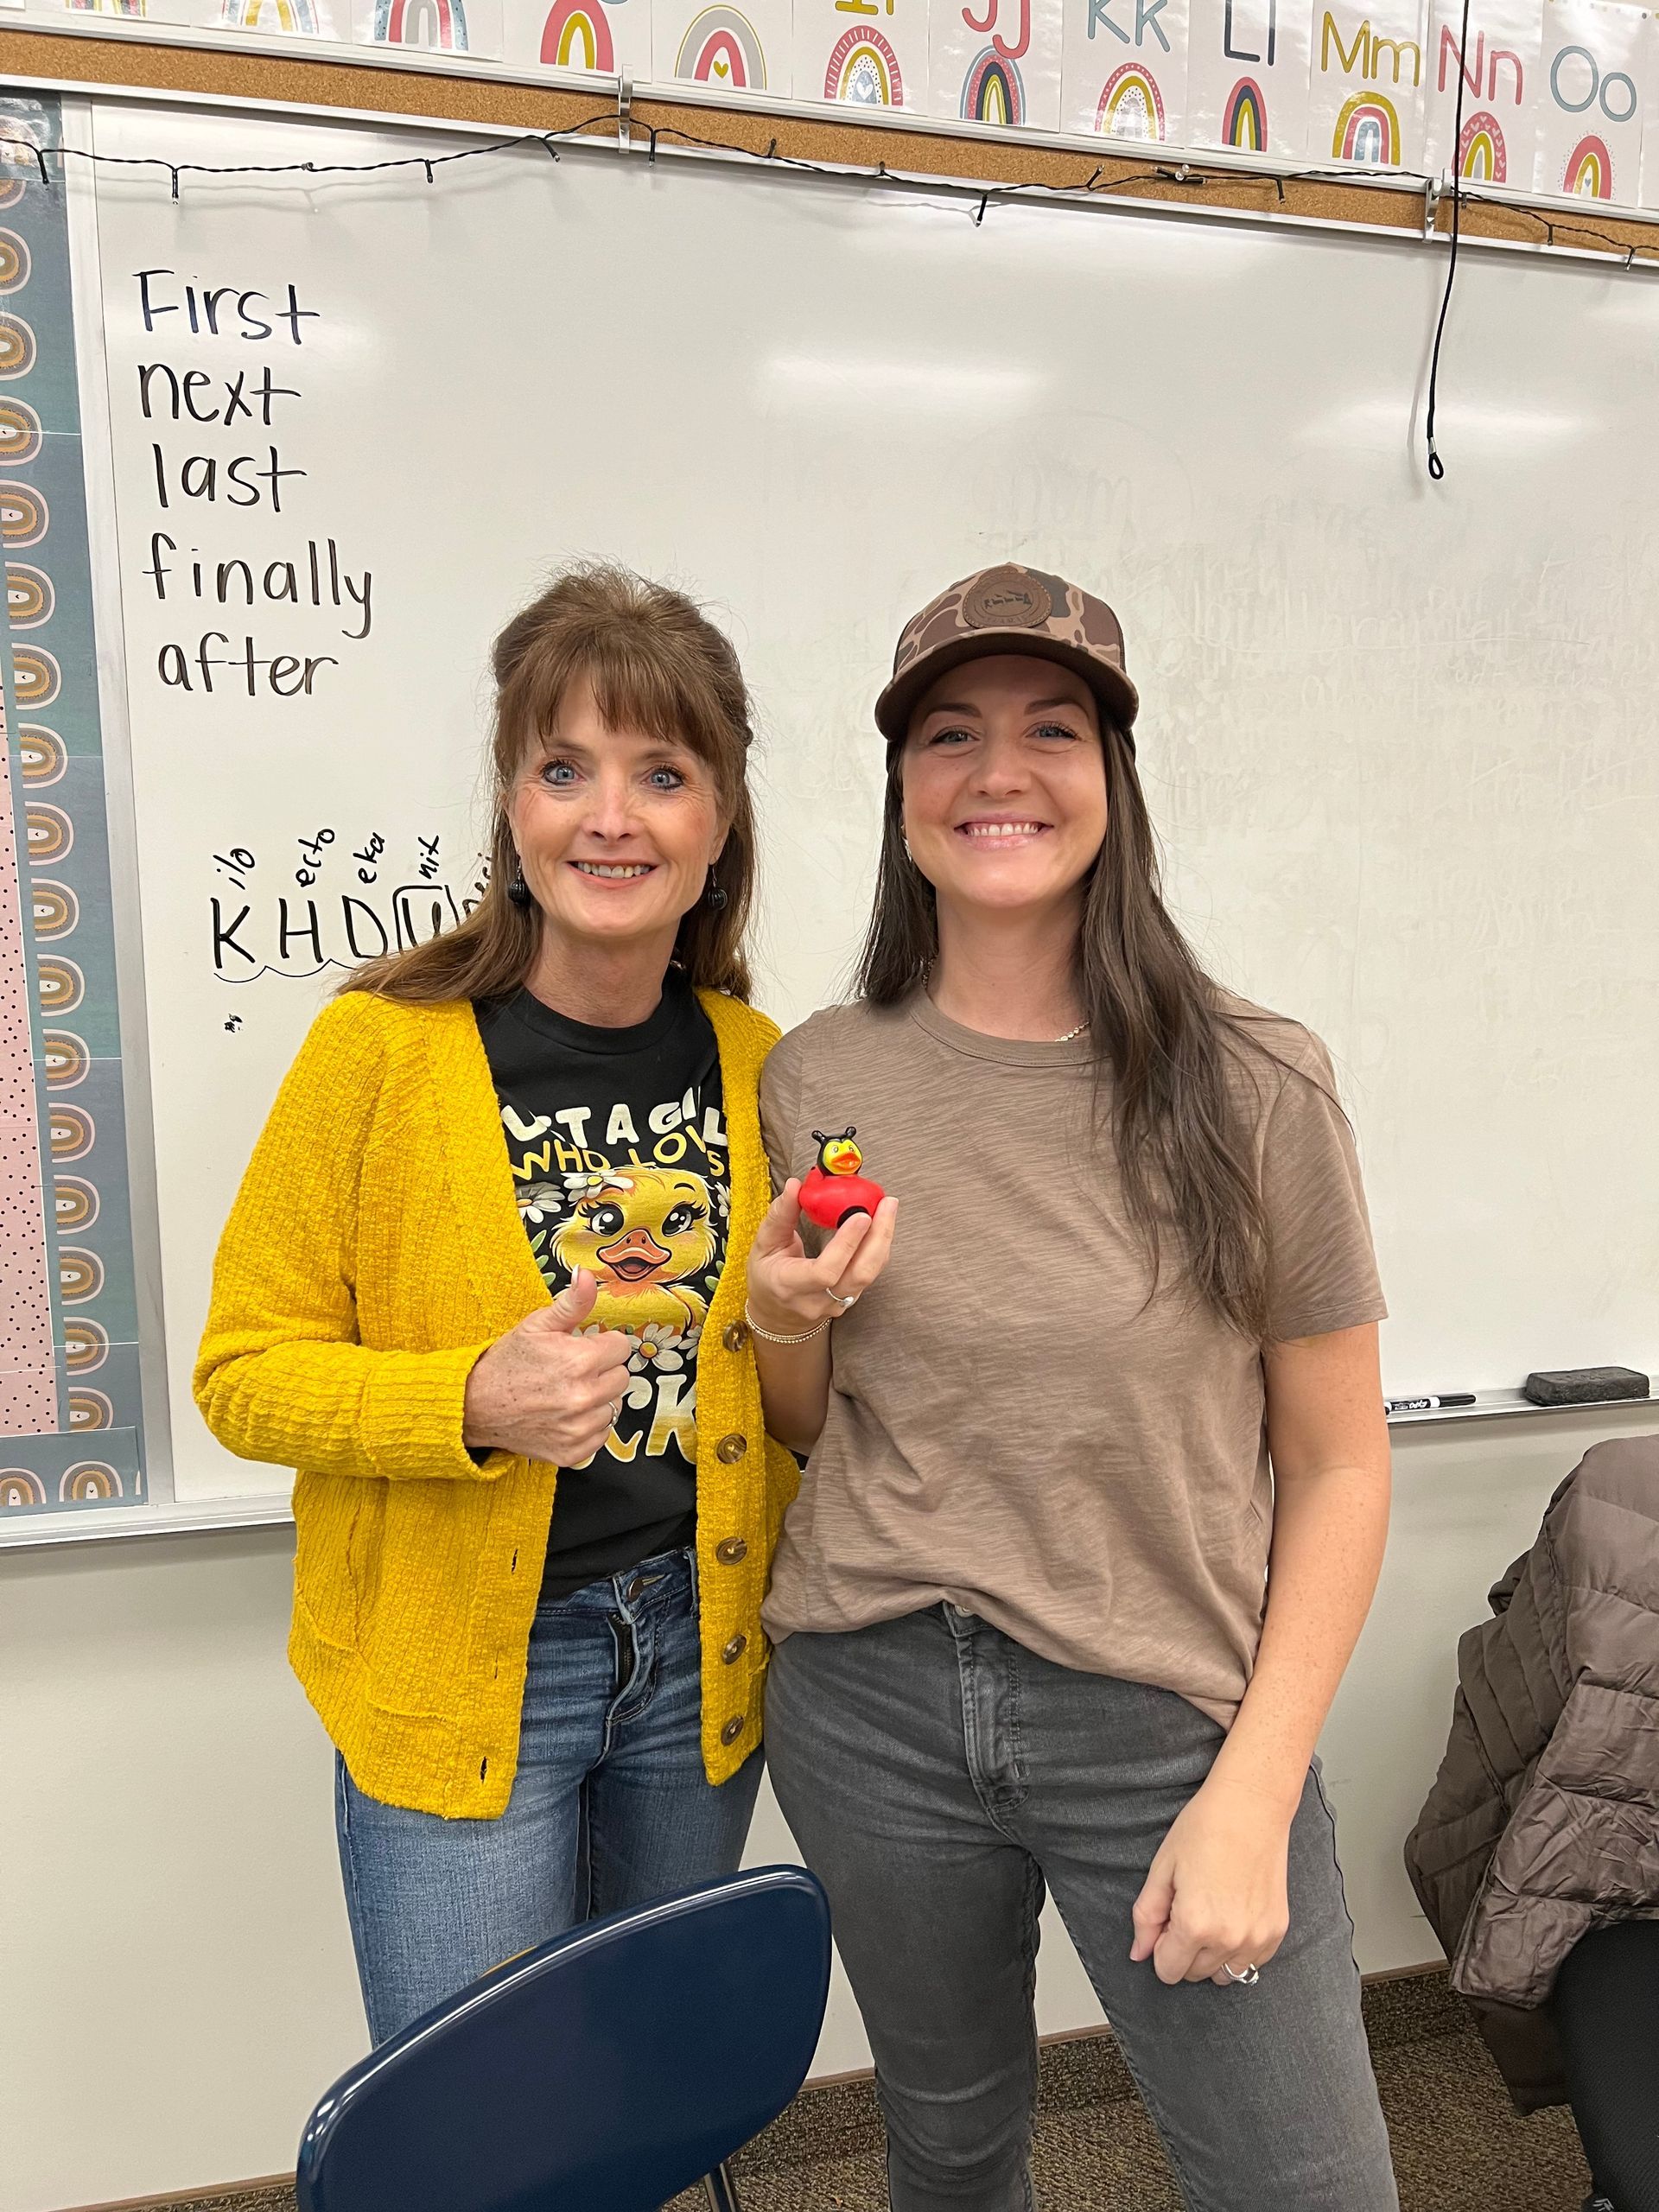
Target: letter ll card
{"points": [[602, 36], [1366, 98], [866, 53], [730, 49], [1124, 68], [471, 27], [1598, 70], [1501, 82], [1246, 76], [996, 61]]}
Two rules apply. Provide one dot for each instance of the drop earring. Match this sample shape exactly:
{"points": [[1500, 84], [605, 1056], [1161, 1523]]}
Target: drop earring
{"points": [[714, 894], [518, 890]]}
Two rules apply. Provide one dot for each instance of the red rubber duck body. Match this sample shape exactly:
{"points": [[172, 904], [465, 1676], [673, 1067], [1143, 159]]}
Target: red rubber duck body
{"points": [[834, 1189]]}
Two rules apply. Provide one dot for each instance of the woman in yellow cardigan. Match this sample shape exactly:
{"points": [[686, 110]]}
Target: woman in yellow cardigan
{"points": [[483, 1288]]}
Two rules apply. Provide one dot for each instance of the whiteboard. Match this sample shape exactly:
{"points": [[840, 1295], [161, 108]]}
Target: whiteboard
{"points": [[1395, 734]]}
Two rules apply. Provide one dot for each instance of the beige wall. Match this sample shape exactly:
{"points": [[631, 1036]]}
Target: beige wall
{"points": [[176, 1975]]}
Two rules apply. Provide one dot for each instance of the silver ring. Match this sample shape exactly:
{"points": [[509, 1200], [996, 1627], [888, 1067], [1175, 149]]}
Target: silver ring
{"points": [[616, 1411], [1247, 1980], [850, 1299]]}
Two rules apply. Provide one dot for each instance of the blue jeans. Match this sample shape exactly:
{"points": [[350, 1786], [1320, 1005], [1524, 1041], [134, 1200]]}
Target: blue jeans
{"points": [[610, 1806], [938, 1778]]}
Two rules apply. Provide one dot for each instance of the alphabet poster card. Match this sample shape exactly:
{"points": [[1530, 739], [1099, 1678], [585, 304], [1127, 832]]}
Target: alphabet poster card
{"points": [[606, 36], [433, 26], [1124, 68], [730, 49], [1502, 80], [867, 53], [996, 61], [1598, 71], [1366, 95], [114, 13], [283, 18], [1246, 76]]}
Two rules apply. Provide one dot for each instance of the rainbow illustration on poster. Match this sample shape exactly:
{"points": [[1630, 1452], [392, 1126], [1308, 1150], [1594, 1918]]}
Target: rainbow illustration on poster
{"points": [[1131, 106], [1368, 130], [438, 26], [1481, 158], [992, 91], [864, 69], [1589, 171], [1244, 122], [293, 15], [721, 47], [577, 36], [135, 8]]}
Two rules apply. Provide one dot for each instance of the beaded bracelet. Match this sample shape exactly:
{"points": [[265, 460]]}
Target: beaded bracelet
{"points": [[771, 1336]]}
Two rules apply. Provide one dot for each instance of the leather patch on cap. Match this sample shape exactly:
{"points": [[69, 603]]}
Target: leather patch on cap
{"points": [[1007, 599]]}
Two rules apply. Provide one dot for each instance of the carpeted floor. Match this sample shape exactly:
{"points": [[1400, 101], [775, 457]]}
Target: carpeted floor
{"points": [[1459, 2145]]}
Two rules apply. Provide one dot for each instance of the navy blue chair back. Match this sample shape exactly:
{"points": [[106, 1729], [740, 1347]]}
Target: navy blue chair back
{"points": [[605, 2071]]}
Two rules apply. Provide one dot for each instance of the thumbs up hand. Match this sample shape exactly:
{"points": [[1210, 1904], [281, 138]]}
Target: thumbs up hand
{"points": [[543, 1391]]}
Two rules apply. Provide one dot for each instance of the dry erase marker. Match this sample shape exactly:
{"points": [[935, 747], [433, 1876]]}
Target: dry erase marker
{"points": [[1428, 1405]]}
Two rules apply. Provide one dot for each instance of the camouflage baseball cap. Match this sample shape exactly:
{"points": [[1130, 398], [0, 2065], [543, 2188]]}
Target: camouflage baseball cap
{"points": [[1010, 609]]}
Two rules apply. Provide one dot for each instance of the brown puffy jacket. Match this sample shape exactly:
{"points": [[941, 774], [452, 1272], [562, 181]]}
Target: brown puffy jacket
{"points": [[1543, 1822]]}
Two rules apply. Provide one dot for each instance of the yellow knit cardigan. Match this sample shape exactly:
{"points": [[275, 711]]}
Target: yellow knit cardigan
{"points": [[375, 1249]]}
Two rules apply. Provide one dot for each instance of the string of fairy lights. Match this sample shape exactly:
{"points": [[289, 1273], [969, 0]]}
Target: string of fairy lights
{"points": [[1551, 229]]}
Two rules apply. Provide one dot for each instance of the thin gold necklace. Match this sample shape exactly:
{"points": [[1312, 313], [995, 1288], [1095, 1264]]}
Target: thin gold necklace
{"points": [[1070, 1037]]}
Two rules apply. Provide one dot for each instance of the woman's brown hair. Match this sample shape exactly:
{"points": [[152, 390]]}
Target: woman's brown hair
{"points": [[1158, 1025], [657, 665]]}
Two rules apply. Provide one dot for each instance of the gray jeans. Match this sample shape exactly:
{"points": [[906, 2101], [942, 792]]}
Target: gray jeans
{"points": [[938, 1776]]}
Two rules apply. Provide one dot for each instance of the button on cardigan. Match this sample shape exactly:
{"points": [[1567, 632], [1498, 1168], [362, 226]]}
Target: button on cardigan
{"points": [[374, 1251]]}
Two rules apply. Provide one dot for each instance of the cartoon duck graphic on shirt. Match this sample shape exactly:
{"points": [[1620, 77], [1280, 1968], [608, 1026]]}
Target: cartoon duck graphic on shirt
{"points": [[651, 1231], [644, 1233]]}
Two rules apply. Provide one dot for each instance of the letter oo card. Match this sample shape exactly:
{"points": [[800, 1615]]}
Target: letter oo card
{"points": [[1597, 76]]}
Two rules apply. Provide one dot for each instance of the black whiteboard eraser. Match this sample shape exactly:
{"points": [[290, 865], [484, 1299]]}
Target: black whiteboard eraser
{"points": [[1584, 1386]]}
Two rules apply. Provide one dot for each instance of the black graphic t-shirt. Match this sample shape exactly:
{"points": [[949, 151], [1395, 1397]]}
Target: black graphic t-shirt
{"points": [[617, 1142]]}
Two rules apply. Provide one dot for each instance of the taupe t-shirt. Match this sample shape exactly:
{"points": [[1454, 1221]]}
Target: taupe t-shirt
{"points": [[1013, 1427]]}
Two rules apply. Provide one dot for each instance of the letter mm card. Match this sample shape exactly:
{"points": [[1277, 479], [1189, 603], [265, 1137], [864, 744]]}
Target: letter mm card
{"points": [[1598, 70], [1246, 76], [1367, 83], [741, 48], [1123, 71], [1501, 82], [996, 61], [604, 36], [862, 53]]}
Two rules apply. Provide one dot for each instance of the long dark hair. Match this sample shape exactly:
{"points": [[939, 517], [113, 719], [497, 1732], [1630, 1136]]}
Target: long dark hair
{"points": [[1159, 1024], [657, 664]]}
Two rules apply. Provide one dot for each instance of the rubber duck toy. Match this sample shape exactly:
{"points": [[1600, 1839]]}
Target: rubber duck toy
{"points": [[834, 1190]]}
